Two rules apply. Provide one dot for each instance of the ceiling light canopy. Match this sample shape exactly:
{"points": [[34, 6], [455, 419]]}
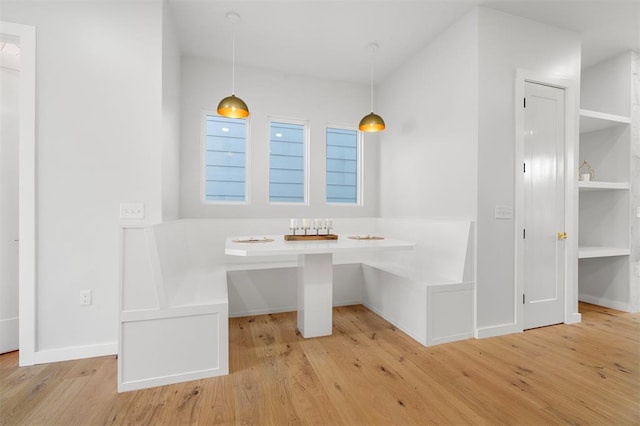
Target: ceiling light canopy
{"points": [[372, 122], [232, 106]]}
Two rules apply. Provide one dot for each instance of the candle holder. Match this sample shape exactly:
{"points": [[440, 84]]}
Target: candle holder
{"points": [[305, 227], [310, 229], [294, 225], [328, 223], [585, 172], [318, 224]]}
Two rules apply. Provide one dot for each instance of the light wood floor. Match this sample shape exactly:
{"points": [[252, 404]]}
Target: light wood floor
{"points": [[368, 372]]}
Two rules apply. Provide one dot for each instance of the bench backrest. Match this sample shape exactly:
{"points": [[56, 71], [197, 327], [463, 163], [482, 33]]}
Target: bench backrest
{"points": [[206, 237], [173, 257], [444, 248]]}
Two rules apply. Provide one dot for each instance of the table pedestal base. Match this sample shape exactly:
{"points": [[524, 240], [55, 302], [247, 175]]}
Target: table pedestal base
{"points": [[315, 294]]}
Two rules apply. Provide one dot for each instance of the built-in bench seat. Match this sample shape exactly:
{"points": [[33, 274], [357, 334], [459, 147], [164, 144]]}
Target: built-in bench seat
{"points": [[178, 289], [427, 292], [173, 315]]}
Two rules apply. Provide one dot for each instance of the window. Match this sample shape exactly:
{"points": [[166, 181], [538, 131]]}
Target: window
{"points": [[342, 165], [287, 162], [225, 162]]}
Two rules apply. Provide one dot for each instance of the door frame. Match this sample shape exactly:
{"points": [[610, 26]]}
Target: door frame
{"points": [[26, 35], [572, 100]]}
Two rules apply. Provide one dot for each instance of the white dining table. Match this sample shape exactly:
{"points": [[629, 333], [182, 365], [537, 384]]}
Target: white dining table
{"points": [[315, 270]]}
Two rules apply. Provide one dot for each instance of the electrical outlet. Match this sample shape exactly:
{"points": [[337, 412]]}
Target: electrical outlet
{"points": [[637, 211], [85, 297], [637, 270], [131, 211]]}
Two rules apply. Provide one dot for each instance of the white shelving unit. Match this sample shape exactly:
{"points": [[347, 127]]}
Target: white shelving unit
{"points": [[595, 185], [604, 202], [590, 121], [588, 252]]}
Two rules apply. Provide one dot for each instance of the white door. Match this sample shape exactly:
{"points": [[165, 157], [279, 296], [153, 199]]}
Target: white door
{"points": [[543, 216], [9, 121]]}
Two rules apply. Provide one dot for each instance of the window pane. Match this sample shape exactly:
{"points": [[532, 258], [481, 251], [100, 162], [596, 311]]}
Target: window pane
{"points": [[342, 166], [286, 162], [225, 159]]}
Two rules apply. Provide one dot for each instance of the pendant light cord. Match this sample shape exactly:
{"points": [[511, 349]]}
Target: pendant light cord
{"points": [[373, 47], [233, 61], [371, 83]]}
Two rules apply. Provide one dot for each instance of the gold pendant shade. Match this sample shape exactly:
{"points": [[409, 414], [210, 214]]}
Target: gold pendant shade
{"points": [[233, 107], [371, 123]]}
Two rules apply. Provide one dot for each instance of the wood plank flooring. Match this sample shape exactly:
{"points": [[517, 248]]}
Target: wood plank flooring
{"points": [[367, 372]]}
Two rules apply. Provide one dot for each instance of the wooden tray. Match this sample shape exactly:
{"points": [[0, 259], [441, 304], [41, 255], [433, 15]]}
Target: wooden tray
{"points": [[310, 237]]}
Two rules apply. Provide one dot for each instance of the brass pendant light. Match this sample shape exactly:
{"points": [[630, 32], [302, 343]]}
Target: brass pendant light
{"points": [[372, 122], [232, 106]]}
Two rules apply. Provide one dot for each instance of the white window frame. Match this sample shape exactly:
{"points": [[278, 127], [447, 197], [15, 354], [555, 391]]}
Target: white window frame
{"points": [[307, 159], [203, 163], [359, 167]]}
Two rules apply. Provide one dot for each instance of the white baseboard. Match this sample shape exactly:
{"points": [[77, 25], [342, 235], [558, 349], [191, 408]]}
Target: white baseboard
{"points": [[451, 338], [348, 303], [266, 311], [574, 318], [170, 380], [9, 335], [396, 324], [75, 352], [497, 330], [602, 301]]}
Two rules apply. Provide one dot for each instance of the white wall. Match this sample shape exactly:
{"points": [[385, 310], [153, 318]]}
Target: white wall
{"points": [[170, 117], [271, 94], [506, 43], [606, 86], [9, 119], [98, 126], [428, 152]]}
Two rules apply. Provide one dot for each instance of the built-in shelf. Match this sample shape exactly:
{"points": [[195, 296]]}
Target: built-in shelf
{"points": [[591, 121], [587, 252], [605, 240], [595, 185]]}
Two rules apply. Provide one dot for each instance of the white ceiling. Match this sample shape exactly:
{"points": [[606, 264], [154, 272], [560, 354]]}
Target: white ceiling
{"points": [[329, 38]]}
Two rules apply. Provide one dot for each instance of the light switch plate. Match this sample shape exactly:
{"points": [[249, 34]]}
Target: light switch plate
{"points": [[504, 212], [131, 211]]}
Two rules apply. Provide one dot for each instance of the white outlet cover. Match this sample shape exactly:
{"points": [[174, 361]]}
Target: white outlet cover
{"points": [[85, 297]]}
